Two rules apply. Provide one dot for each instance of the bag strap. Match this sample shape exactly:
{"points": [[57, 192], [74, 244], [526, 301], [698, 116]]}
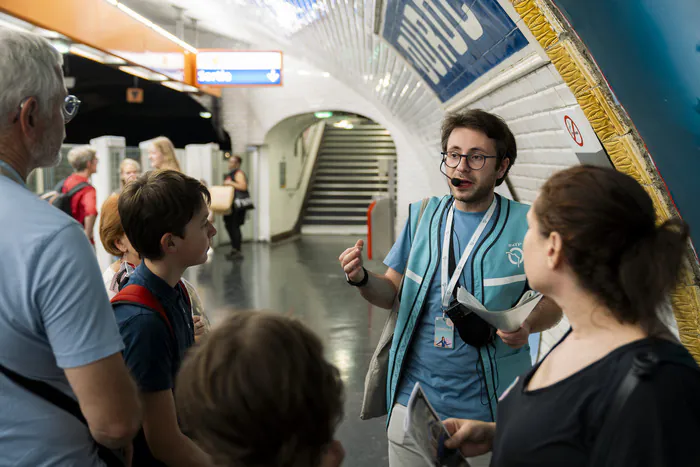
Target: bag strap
{"points": [[134, 294], [62, 401], [46, 392], [423, 205], [183, 287], [644, 365], [73, 191]]}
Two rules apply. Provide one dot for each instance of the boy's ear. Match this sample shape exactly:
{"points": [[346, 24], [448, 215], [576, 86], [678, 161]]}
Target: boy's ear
{"points": [[167, 244]]}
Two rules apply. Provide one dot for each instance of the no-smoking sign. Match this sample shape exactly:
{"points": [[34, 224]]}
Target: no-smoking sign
{"points": [[573, 130]]}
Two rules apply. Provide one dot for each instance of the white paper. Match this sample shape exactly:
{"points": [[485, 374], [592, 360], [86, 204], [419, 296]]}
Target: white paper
{"points": [[507, 320], [424, 426]]}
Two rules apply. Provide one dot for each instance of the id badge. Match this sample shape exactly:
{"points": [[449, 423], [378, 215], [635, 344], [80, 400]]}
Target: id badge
{"points": [[444, 333]]}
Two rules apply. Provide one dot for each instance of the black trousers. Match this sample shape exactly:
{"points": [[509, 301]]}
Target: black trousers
{"points": [[233, 224]]}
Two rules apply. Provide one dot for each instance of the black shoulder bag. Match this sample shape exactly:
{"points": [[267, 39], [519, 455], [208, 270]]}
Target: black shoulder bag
{"points": [[59, 399], [644, 365]]}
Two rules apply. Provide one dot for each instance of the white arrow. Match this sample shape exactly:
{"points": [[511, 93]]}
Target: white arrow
{"points": [[273, 76]]}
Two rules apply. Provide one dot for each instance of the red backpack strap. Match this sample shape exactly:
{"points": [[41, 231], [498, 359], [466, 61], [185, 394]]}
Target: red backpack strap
{"points": [[134, 294]]}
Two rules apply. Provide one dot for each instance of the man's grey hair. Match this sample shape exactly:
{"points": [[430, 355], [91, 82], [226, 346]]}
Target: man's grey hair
{"points": [[80, 156], [28, 65]]}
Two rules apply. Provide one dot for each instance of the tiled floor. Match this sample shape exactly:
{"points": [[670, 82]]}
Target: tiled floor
{"points": [[302, 278]]}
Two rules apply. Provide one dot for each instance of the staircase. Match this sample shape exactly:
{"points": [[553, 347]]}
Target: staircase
{"points": [[352, 168]]}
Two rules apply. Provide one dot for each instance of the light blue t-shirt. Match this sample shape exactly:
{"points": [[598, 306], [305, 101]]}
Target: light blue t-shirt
{"points": [[449, 377], [54, 314]]}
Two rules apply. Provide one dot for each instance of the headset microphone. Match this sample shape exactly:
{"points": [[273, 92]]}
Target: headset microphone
{"points": [[453, 180]]}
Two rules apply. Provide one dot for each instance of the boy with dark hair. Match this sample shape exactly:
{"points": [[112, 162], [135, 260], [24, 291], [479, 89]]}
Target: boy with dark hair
{"points": [[164, 215], [259, 393]]}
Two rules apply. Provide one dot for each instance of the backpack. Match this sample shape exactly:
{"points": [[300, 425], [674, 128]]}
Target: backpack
{"points": [[139, 295], [63, 200], [644, 365]]}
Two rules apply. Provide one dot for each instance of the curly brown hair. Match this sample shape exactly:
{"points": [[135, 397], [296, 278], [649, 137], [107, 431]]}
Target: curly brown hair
{"points": [[258, 392], [493, 126]]}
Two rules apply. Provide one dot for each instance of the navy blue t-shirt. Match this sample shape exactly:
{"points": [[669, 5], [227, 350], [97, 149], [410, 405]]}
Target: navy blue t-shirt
{"points": [[152, 353]]}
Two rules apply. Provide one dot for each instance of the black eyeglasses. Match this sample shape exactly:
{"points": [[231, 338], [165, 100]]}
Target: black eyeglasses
{"points": [[475, 160], [69, 109]]}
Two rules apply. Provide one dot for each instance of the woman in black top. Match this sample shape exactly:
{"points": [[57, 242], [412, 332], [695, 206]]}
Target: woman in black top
{"points": [[594, 248], [238, 180]]}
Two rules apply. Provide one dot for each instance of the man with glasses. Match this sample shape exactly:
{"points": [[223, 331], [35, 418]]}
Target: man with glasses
{"points": [[472, 240], [66, 397]]}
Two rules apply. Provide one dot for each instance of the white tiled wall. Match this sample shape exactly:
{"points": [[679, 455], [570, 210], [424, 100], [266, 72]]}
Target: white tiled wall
{"points": [[527, 105]]}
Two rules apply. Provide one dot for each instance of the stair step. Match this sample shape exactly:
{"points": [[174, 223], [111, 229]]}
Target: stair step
{"points": [[351, 139], [351, 178], [331, 212], [357, 133], [357, 145], [346, 194], [346, 172], [358, 203], [349, 150], [350, 186], [335, 220]]}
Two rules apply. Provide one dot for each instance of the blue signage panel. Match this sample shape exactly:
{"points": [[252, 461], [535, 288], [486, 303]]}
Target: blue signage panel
{"points": [[239, 68], [649, 52], [451, 43], [221, 77]]}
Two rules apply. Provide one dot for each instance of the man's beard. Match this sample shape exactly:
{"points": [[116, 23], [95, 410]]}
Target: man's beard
{"points": [[481, 193], [43, 154]]}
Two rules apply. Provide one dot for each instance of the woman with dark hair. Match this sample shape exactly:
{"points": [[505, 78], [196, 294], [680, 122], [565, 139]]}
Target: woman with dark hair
{"points": [[618, 389]]}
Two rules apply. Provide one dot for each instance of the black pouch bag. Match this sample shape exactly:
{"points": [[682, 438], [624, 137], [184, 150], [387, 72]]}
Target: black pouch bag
{"points": [[472, 329]]}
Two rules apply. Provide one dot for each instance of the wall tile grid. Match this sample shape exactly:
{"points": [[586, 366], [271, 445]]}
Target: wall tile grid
{"points": [[527, 105]]}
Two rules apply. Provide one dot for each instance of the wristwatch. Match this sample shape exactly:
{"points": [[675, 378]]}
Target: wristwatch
{"points": [[362, 283]]}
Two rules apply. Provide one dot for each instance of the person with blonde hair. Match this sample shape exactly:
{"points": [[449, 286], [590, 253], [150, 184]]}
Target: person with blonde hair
{"points": [[129, 170], [162, 154]]}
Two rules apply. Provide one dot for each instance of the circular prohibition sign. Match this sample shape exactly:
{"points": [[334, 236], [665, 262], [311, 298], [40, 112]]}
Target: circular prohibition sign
{"points": [[573, 130]]}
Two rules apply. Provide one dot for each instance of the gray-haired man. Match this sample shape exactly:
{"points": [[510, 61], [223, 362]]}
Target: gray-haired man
{"points": [[57, 328]]}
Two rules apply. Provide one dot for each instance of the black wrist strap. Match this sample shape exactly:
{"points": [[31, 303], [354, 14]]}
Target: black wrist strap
{"points": [[362, 283]]}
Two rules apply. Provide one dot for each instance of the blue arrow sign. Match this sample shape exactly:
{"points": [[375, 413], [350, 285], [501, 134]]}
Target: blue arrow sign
{"points": [[239, 77]]}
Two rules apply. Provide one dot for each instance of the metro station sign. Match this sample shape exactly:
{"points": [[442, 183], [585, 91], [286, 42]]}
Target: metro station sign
{"points": [[238, 68]]}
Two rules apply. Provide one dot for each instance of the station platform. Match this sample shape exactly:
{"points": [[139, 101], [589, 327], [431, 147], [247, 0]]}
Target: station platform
{"points": [[302, 278]]}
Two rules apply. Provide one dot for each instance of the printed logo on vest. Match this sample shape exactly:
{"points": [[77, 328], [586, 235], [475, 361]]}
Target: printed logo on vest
{"points": [[515, 254]]}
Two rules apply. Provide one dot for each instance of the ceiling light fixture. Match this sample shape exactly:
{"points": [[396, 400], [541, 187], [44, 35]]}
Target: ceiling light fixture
{"points": [[13, 26], [323, 114], [177, 86], [143, 73], [62, 46], [205, 114], [147, 22]]}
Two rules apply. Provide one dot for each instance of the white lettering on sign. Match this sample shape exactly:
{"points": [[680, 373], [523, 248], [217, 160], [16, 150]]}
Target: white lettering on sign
{"points": [[436, 53], [419, 61], [220, 76]]}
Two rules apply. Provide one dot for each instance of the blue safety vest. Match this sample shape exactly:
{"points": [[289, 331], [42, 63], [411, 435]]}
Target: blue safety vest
{"points": [[498, 282]]}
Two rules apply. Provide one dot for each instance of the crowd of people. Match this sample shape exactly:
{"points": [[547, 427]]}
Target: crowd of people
{"points": [[121, 367]]}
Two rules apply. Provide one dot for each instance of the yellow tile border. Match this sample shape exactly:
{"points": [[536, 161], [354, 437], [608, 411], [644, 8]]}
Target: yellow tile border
{"points": [[624, 146]]}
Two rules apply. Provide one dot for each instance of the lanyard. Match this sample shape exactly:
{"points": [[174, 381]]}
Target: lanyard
{"points": [[7, 170], [446, 287]]}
